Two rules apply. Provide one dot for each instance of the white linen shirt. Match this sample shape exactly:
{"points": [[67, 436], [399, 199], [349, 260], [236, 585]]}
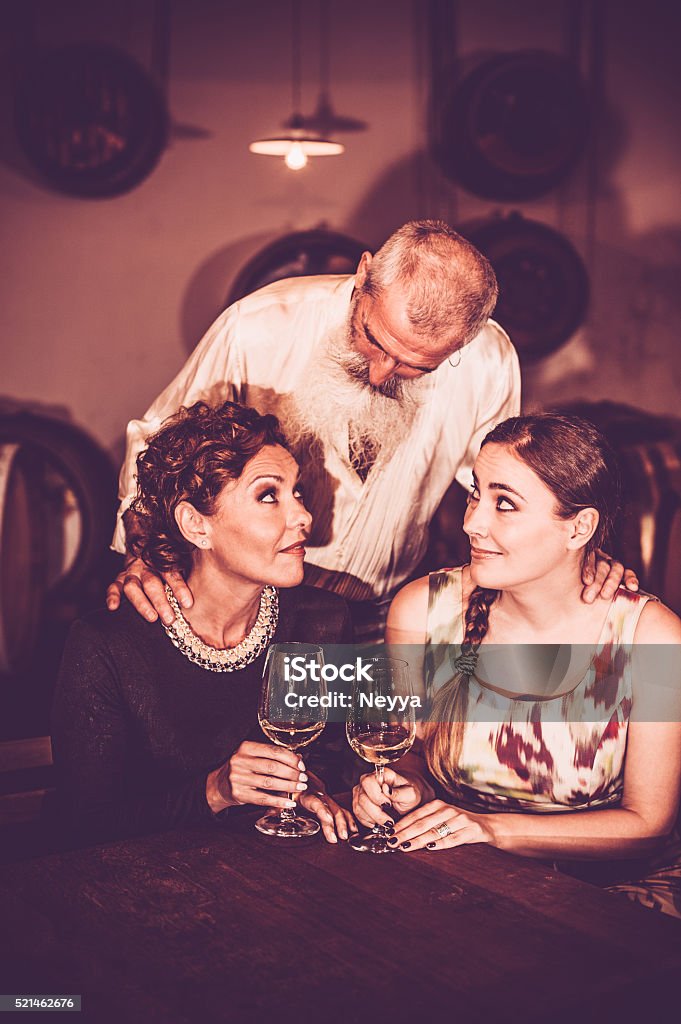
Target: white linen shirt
{"points": [[257, 353]]}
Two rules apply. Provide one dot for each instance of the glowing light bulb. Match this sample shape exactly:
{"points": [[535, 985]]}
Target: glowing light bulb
{"points": [[296, 157]]}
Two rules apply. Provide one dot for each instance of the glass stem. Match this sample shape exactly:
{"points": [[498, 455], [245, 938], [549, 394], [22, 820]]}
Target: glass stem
{"points": [[378, 769], [288, 813]]}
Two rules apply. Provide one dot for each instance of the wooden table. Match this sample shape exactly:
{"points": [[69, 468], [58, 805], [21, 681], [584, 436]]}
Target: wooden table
{"points": [[223, 924]]}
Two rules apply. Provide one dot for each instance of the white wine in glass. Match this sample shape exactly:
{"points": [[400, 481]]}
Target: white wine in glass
{"points": [[377, 735], [293, 735], [286, 729], [382, 744]]}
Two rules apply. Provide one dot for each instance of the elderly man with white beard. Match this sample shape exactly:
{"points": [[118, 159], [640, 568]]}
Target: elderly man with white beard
{"points": [[385, 384]]}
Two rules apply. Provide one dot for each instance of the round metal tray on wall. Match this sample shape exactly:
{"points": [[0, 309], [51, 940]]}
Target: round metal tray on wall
{"points": [[514, 127], [300, 254], [90, 119], [543, 283]]}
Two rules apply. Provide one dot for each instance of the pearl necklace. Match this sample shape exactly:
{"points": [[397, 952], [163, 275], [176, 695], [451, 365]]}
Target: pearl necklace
{"points": [[230, 659]]}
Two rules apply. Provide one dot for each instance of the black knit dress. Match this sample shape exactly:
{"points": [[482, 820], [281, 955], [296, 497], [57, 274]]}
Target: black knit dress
{"points": [[137, 727]]}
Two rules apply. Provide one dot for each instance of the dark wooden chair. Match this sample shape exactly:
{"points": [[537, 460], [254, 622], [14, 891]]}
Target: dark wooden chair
{"points": [[26, 777]]}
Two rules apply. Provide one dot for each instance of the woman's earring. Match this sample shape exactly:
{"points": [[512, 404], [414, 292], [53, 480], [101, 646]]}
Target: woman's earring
{"points": [[457, 353]]}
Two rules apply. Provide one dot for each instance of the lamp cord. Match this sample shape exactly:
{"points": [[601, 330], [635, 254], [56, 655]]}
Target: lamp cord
{"points": [[324, 47], [295, 56]]}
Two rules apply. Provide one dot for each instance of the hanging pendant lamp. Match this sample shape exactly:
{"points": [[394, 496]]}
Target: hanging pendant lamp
{"points": [[297, 142]]}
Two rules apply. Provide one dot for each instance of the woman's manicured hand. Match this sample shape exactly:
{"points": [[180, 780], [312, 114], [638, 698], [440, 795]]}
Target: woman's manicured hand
{"points": [[252, 772], [336, 822], [401, 793], [418, 830]]}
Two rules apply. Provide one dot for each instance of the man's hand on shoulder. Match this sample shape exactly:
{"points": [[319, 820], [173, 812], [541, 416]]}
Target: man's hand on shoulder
{"points": [[145, 590], [603, 575]]}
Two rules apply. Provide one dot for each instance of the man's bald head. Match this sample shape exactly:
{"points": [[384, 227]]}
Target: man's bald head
{"points": [[449, 286]]}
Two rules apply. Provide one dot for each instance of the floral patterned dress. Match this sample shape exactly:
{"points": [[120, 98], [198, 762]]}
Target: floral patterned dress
{"points": [[552, 754]]}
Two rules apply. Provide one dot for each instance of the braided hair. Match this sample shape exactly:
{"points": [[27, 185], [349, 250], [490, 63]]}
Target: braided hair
{"points": [[444, 734]]}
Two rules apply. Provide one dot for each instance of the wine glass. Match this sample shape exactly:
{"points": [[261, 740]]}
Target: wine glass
{"points": [[381, 728], [292, 671]]}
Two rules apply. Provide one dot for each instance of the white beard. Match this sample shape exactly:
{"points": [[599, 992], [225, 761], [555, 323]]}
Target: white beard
{"points": [[340, 403]]}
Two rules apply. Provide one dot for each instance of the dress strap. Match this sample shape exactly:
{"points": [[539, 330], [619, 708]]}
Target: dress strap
{"points": [[625, 613], [445, 607]]}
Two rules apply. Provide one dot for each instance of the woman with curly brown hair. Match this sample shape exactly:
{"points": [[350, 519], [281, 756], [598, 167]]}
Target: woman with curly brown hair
{"points": [[156, 725], [556, 731]]}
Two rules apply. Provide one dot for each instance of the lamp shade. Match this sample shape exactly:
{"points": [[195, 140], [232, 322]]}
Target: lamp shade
{"points": [[311, 145]]}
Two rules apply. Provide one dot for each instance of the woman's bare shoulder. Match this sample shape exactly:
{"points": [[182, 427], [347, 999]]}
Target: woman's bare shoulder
{"points": [[409, 608], [658, 625]]}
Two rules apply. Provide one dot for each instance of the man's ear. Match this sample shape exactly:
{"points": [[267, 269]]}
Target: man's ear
{"points": [[192, 525], [582, 528], [363, 268]]}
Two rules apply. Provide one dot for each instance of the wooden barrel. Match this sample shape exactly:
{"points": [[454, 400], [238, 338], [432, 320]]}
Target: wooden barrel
{"points": [[648, 452], [22, 555], [58, 510], [78, 493], [671, 587], [651, 530]]}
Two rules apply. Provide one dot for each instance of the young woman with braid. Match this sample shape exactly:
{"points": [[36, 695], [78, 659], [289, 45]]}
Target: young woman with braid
{"points": [[556, 731]]}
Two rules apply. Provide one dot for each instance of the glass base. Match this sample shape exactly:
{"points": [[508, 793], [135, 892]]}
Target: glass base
{"points": [[373, 842], [272, 824]]}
